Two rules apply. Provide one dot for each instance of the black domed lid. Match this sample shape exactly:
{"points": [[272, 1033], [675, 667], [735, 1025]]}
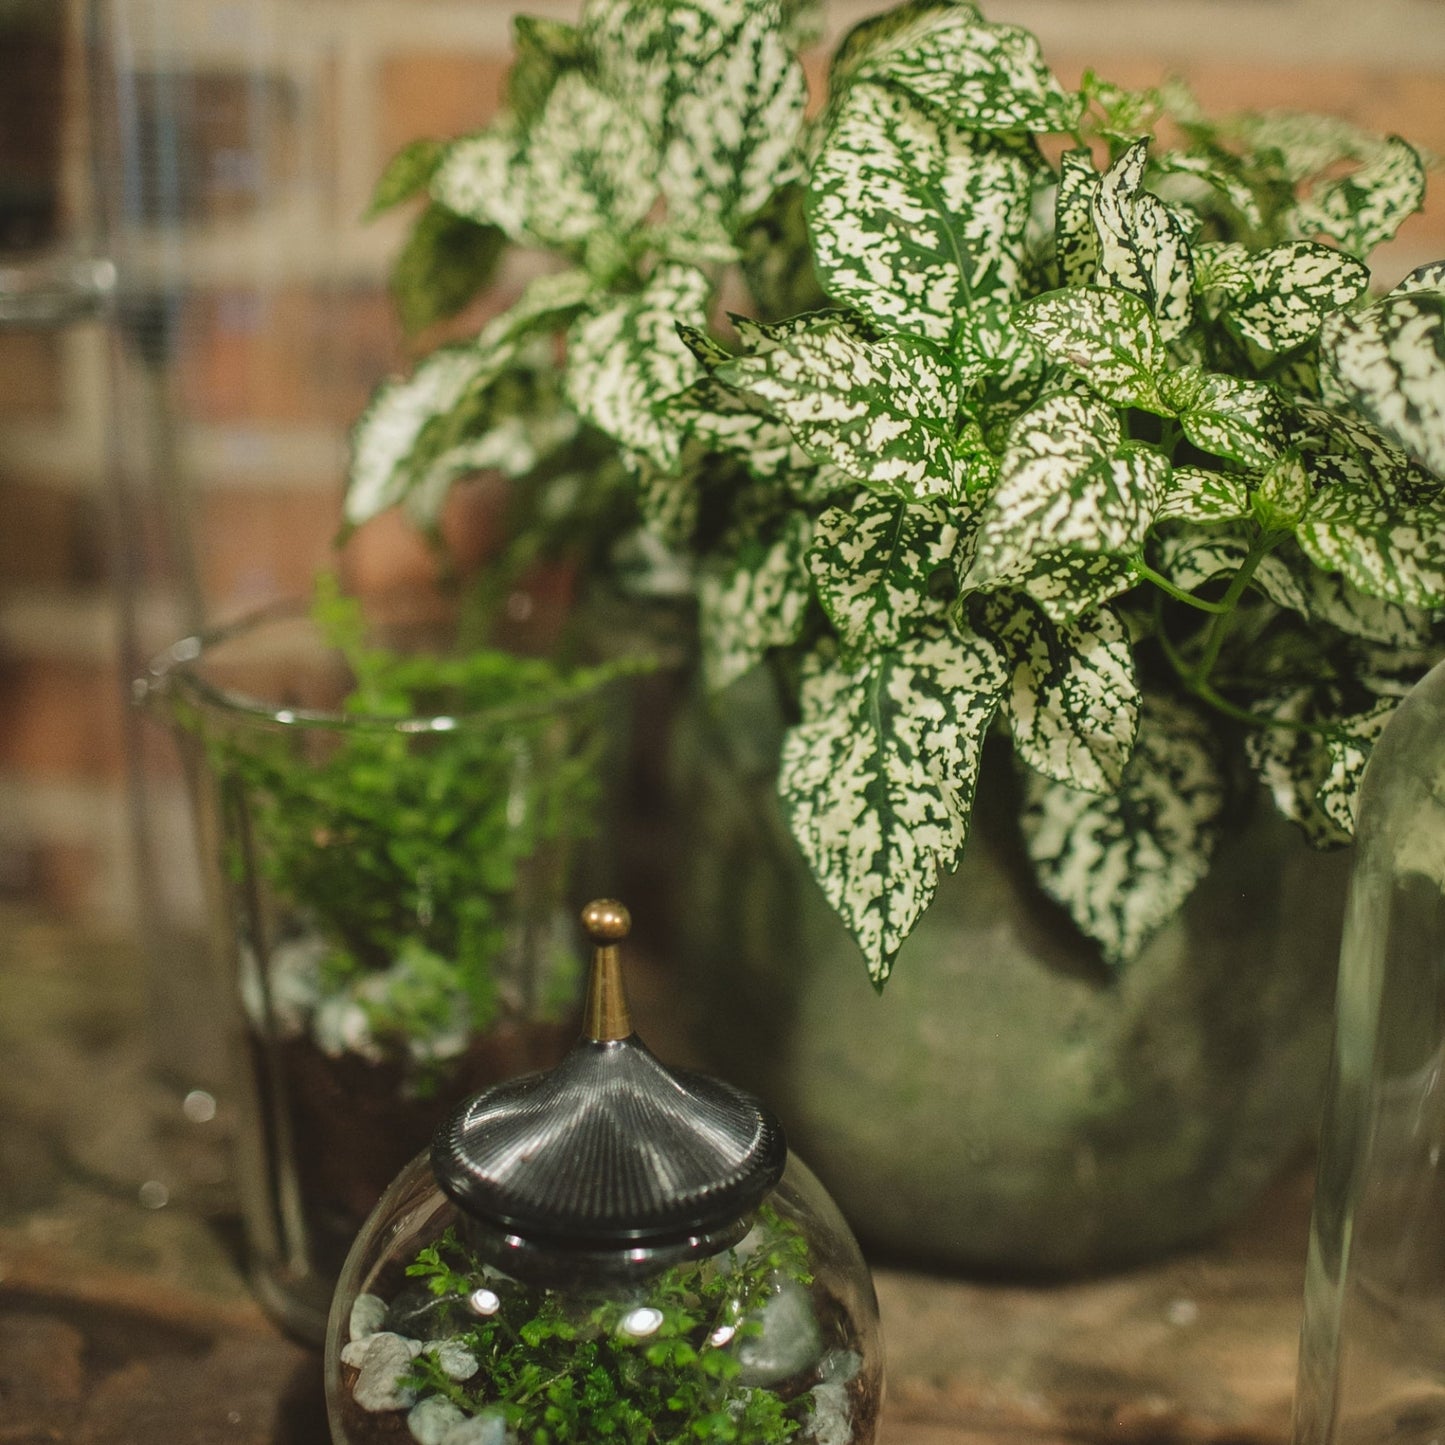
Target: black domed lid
{"points": [[612, 1148]]}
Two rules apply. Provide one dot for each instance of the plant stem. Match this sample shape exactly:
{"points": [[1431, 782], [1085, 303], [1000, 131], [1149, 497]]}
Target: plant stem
{"points": [[1262, 546], [1177, 593]]}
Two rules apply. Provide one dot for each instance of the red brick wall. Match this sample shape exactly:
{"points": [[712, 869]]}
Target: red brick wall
{"points": [[290, 108]]}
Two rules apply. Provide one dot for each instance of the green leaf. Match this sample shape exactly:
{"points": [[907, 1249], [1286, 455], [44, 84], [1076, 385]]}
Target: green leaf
{"points": [[987, 77], [1230, 417], [1196, 495], [732, 139], [408, 173], [753, 602], [1278, 298], [1142, 246], [1390, 361], [1076, 242], [879, 410], [1068, 481], [1107, 337], [1361, 210], [1073, 702], [545, 50], [872, 564], [877, 779], [446, 261], [915, 219], [385, 435], [585, 165], [1124, 863], [1382, 539], [626, 360]]}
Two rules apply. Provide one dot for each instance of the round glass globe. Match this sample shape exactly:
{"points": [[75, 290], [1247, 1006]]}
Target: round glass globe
{"points": [[445, 1331]]}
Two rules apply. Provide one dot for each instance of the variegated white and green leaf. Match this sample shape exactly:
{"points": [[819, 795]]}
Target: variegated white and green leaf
{"points": [[720, 420], [988, 77], [1107, 337], [1073, 701], [1429, 277], [1204, 173], [1283, 494], [1291, 762], [754, 601], [1123, 863], [1076, 242], [384, 438], [1143, 248], [915, 219], [1070, 585], [1361, 210], [1197, 495], [626, 360], [1335, 602], [877, 780], [1380, 542], [1390, 360], [732, 138], [1303, 145], [545, 303], [879, 409], [872, 564], [1278, 298], [1227, 415], [1347, 747], [1067, 482], [574, 172]]}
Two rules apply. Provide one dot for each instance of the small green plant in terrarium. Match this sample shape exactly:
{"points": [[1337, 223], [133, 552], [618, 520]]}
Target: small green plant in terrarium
{"points": [[725, 1349], [400, 853]]}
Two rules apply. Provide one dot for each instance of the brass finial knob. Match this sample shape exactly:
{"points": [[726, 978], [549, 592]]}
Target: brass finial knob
{"points": [[606, 920], [608, 1016]]}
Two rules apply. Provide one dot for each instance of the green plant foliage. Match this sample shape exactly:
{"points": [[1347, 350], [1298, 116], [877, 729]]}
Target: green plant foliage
{"points": [[565, 1373], [406, 850], [987, 441]]}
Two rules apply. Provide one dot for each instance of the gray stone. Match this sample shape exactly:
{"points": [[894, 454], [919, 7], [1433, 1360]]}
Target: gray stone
{"points": [[378, 1385], [368, 1314], [829, 1424], [790, 1340], [431, 1419]]}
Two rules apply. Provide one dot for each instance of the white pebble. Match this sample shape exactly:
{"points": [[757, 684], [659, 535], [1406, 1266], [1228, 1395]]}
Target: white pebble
{"points": [[829, 1424], [431, 1419], [378, 1387], [488, 1428], [457, 1362], [367, 1315], [789, 1341]]}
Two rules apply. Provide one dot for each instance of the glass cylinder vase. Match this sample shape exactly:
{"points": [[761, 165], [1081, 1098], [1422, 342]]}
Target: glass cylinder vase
{"points": [[1372, 1354], [393, 886]]}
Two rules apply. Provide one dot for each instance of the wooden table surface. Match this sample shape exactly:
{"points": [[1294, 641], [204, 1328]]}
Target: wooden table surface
{"points": [[127, 1325]]}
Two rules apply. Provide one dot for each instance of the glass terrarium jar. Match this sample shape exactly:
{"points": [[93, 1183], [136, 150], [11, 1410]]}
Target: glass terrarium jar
{"points": [[1372, 1354], [610, 1250], [391, 851]]}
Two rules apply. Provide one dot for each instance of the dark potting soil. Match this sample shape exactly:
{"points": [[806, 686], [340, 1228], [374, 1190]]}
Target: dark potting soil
{"points": [[353, 1123]]}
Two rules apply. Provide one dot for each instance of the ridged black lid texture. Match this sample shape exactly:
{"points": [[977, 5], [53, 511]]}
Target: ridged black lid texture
{"points": [[612, 1147]]}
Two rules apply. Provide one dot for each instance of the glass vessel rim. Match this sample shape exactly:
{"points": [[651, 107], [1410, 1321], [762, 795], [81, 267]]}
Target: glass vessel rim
{"points": [[172, 671]]}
